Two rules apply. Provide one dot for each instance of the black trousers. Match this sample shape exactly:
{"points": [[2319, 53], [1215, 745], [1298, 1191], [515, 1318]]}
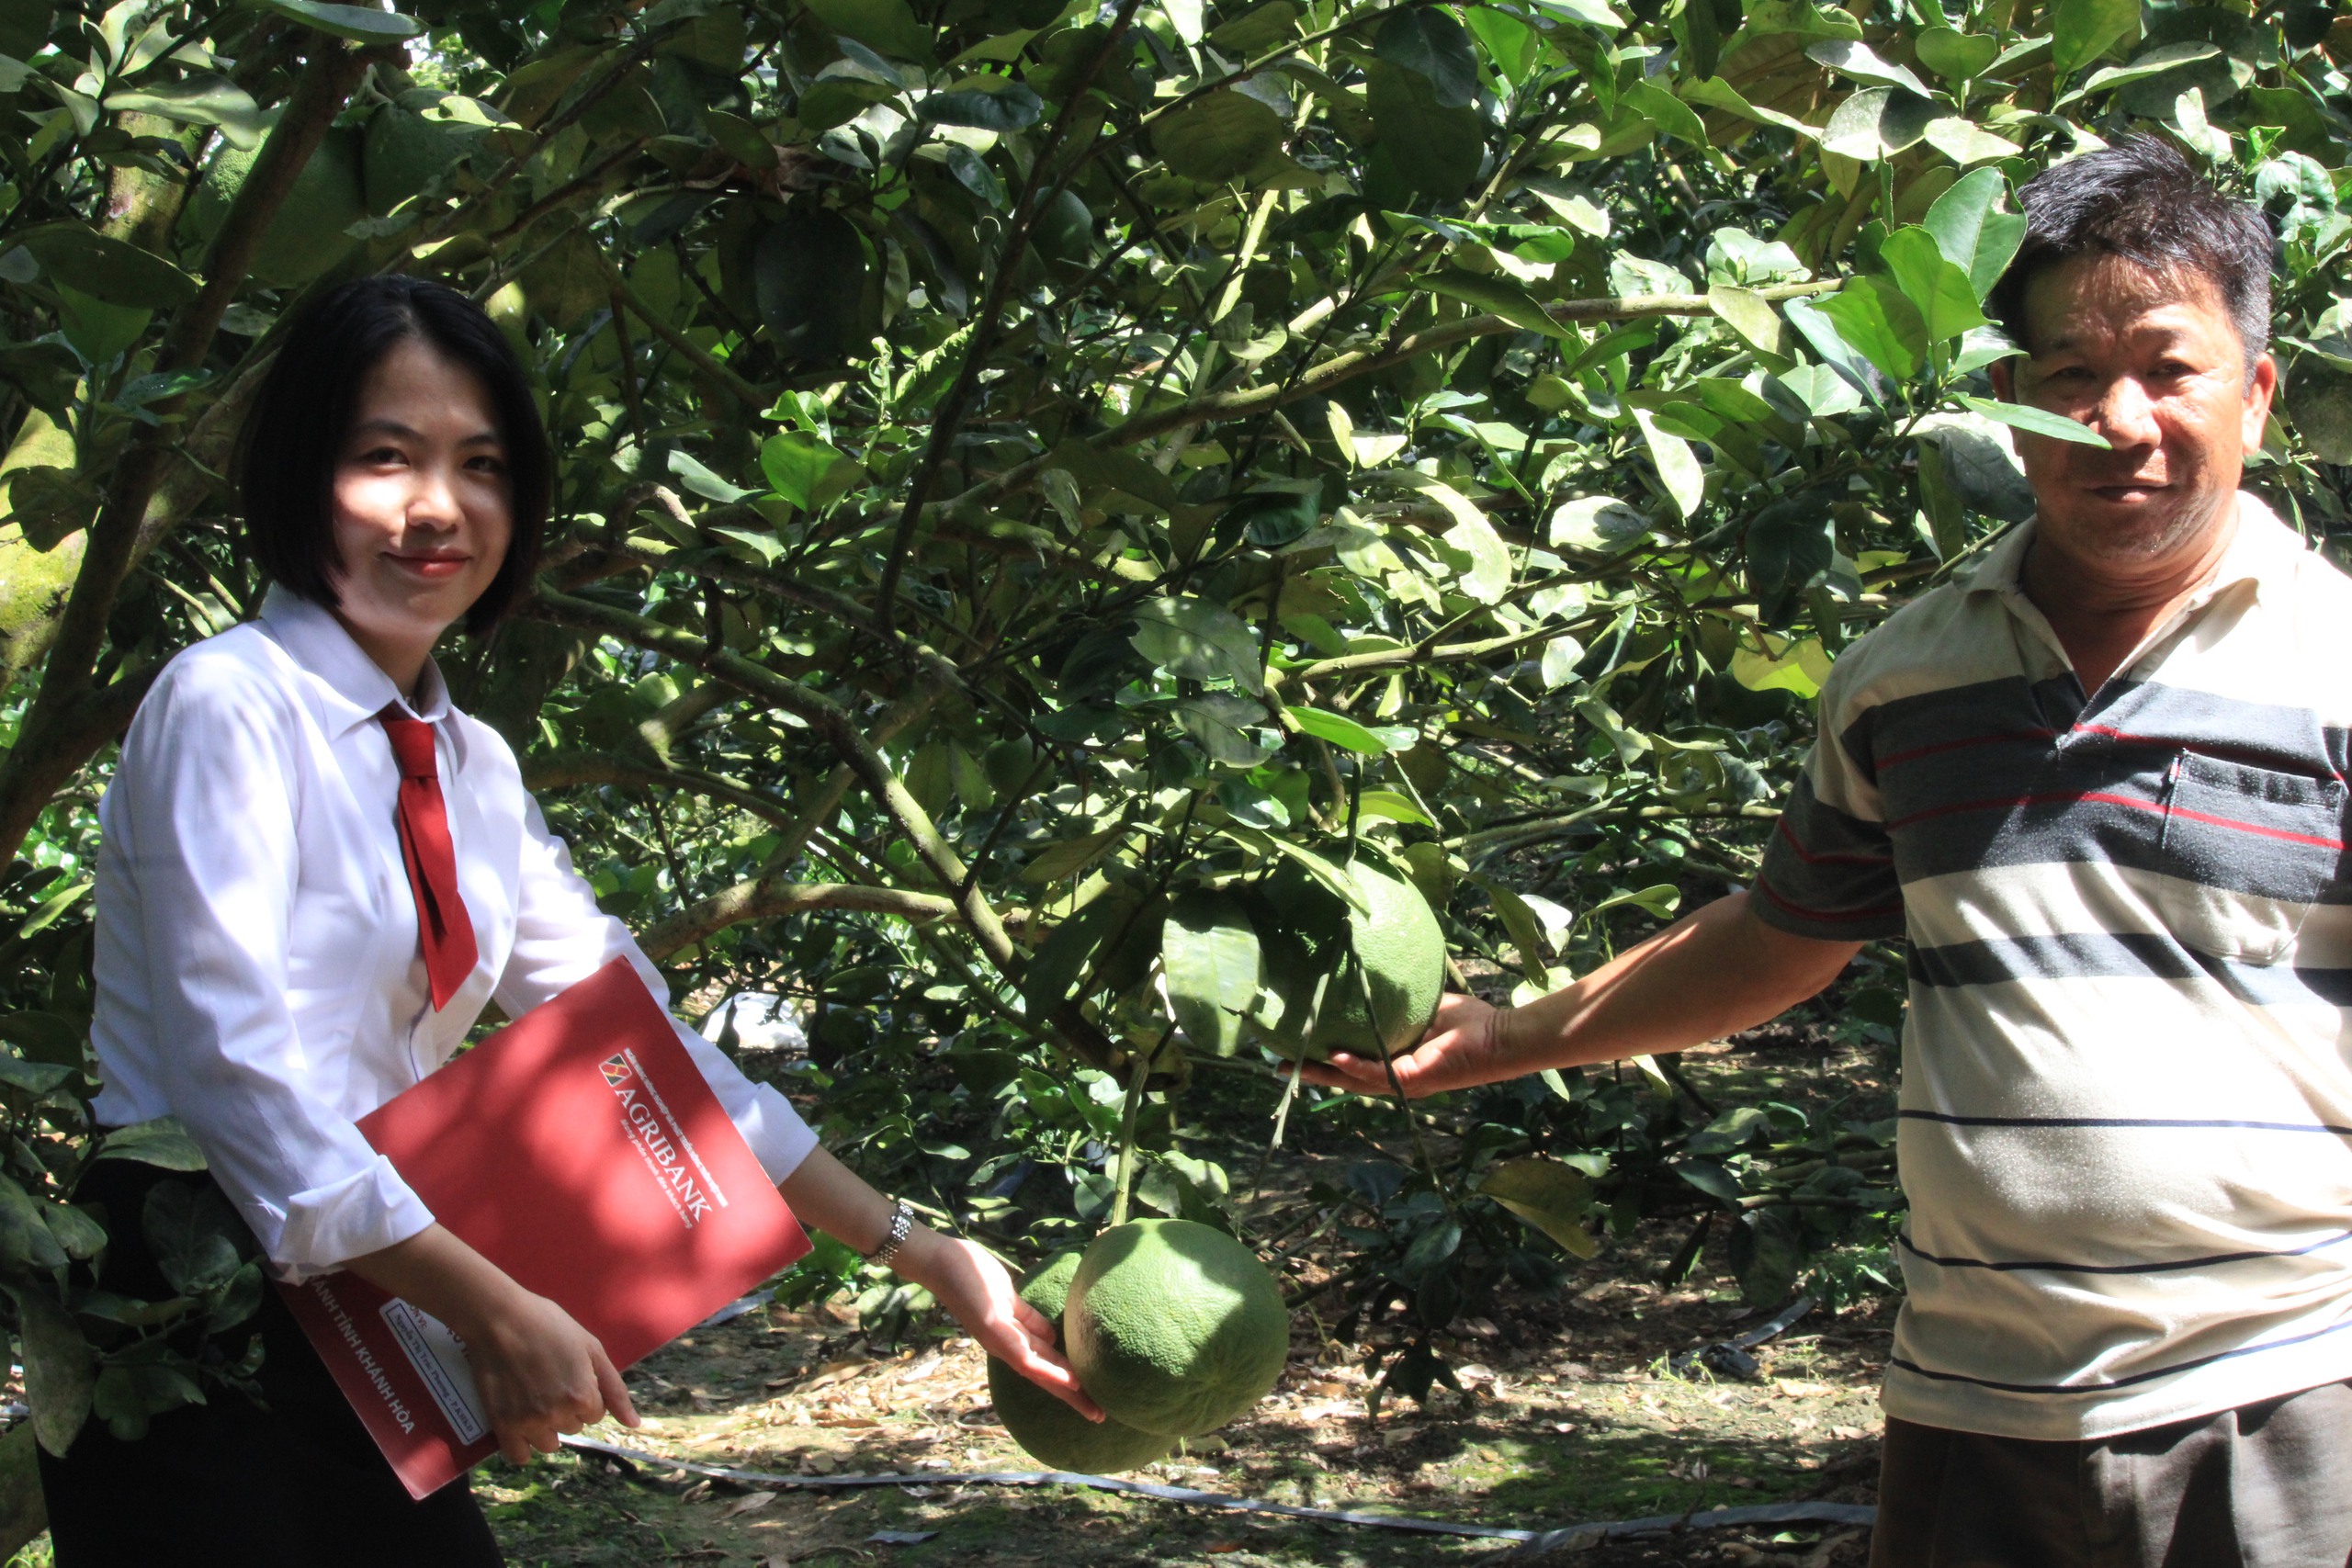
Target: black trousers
{"points": [[297, 1484]]}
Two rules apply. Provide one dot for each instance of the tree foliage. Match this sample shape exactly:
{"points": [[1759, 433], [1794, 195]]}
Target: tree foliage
{"points": [[1041, 485]]}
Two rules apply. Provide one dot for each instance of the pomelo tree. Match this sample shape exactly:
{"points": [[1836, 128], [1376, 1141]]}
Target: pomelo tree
{"points": [[1038, 480]]}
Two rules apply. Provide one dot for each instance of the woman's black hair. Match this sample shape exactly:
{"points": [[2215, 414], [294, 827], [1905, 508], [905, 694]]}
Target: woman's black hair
{"points": [[294, 433]]}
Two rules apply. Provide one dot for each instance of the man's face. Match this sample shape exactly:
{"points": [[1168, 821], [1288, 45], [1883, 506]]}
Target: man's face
{"points": [[2153, 363]]}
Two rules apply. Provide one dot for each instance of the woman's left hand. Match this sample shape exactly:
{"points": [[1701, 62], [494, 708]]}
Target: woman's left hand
{"points": [[979, 1293]]}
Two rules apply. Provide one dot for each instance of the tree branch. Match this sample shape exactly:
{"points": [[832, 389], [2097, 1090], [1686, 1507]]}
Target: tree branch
{"points": [[947, 418], [840, 730], [40, 758], [1246, 401], [763, 899], [570, 770]]}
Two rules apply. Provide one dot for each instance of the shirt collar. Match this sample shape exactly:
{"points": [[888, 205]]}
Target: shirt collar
{"points": [[354, 687], [2265, 553]]}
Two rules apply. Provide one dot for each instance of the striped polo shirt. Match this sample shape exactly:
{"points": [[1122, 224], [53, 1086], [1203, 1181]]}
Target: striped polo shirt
{"points": [[2126, 1107]]}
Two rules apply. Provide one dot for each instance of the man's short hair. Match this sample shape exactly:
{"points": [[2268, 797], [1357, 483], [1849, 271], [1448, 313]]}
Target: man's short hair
{"points": [[293, 436], [2141, 200]]}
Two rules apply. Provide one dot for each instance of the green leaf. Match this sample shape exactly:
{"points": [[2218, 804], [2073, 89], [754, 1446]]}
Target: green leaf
{"points": [[798, 465], [1678, 466], [2156, 62], [1387, 803], [162, 1142], [59, 1372], [26, 1244], [887, 25], [205, 98], [1430, 42], [1425, 146], [107, 270], [2039, 421], [1338, 729], [1209, 953], [1952, 55], [1788, 664], [1668, 113], [1878, 122], [1060, 961], [1219, 137], [1497, 295], [1198, 639], [1073, 855], [1879, 322], [1971, 230], [1965, 143], [691, 473], [1859, 61], [1224, 725], [189, 1227], [1591, 13], [1789, 544], [1710, 1178], [1333, 880], [1751, 316], [357, 23], [1012, 107], [1551, 1197], [1942, 293], [1489, 576], [2082, 30]]}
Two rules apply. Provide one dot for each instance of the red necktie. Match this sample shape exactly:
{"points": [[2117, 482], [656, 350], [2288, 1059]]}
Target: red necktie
{"points": [[430, 856]]}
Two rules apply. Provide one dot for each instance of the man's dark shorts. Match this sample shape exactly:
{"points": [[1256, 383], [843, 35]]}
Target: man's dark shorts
{"points": [[2267, 1485]]}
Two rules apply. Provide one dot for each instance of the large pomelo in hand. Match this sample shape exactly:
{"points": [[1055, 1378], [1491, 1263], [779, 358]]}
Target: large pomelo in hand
{"points": [[1174, 1327], [1306, 931], [1051, 1432]]}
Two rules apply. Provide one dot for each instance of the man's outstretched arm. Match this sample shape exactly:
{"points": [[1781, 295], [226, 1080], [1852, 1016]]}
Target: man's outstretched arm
{"points": [[1713, 973]]}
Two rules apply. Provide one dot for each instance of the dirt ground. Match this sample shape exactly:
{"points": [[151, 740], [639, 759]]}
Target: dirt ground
{"points": [[1568, 1415]]}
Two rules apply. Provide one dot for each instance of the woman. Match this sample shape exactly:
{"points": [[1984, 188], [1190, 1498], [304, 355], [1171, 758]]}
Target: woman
{"points": [[314, 874]]}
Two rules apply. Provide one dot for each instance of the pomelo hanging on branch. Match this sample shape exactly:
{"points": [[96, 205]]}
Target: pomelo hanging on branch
{"points": [[1048, 1430], [1174, 1327], [1314, 942]]}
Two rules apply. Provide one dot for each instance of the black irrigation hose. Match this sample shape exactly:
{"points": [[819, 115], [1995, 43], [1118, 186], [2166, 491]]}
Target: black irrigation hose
{"points": [[1533, 1543]]}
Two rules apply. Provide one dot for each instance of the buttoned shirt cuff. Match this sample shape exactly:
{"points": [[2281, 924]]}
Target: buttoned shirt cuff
{"points": [[779, 1138], [326, 1226]]}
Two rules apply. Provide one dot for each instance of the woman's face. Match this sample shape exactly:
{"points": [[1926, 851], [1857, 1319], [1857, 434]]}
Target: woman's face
{"points": [[422, 511]]}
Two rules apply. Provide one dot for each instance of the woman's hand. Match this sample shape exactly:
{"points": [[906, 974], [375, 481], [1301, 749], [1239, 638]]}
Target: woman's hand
{"points": [[978, 1292], [539, 1372], [540, 1375], [1462, 1047]]}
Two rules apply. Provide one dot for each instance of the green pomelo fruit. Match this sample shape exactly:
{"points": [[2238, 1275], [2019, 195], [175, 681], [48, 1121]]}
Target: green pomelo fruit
{"points": [[1301, 931], [405, 152], [1174, 1327], [1009, 763], [1051, 1432], [307, 235]]}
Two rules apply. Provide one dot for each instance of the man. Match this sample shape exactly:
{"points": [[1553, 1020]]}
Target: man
{"points": [[2097, 783]]}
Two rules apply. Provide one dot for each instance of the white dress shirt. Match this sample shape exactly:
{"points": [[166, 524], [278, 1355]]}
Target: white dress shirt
{"points": [[259, 970]]}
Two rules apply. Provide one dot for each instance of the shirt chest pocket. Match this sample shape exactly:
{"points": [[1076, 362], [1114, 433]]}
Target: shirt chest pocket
{"points": [[2247, 851]]}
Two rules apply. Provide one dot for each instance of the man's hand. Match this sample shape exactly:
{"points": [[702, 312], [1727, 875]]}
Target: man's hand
{"points": [[1462, 1047], [540, 1375], [979, 1293]]}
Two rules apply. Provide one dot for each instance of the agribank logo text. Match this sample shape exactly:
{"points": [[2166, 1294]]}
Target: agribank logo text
{"points": [[659, 1140]]}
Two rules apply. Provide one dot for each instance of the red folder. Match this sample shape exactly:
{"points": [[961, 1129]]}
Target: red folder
{"points": [[580, 1149]]}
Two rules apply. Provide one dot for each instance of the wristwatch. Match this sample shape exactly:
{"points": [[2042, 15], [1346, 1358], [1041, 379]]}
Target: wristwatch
{"points": [[902, 1220]]}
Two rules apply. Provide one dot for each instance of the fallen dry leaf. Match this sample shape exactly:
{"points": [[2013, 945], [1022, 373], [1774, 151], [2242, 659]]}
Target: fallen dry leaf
{"points": [[751, 1505]]}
